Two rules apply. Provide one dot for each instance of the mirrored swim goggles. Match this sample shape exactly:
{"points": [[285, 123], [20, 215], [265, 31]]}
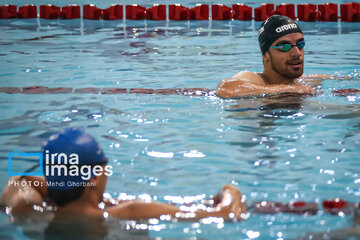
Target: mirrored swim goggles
{"points": [[285, 47]]}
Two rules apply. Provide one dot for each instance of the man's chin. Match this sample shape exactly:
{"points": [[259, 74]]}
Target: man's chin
{"points": [[295, 73]]}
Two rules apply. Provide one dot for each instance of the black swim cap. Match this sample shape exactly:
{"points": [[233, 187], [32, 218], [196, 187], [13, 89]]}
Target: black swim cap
{"points": [[274, 28]]}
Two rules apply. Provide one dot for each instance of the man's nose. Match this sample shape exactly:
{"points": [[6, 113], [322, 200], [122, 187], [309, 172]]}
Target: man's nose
{"points": [[295, 51]]}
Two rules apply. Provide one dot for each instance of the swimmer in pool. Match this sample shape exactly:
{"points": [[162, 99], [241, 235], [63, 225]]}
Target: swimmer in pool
{"points": [[282, 45], [84, 201]]}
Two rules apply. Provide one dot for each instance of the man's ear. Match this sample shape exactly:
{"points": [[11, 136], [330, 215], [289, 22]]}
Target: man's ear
{"points": [[93, 179], [266, 57]]}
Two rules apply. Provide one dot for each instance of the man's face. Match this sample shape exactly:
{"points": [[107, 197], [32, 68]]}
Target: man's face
{"points": [[287, 64]]}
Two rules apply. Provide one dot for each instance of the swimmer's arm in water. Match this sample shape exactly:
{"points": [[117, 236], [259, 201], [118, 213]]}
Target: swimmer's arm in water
{"points": [[251, 84], [229, 207], [315, 80], [20, 193], [325, 76]]}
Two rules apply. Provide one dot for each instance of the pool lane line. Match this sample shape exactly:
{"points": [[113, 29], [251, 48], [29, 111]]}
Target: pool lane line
{"points": [[161, 91], [334, 206], [65, 90]]}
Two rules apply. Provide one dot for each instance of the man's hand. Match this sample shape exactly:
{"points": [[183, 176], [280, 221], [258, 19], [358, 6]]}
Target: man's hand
{"points": [[20, 198], [231, 205]]}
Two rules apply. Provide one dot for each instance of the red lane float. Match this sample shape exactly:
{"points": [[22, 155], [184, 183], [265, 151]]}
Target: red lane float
{"points": [[45, 90], [199, 12], [350, 12], [101, 90], [264, 11], [286, 9], [178, 12], [307, 12], [156, 13], [168, 91], [27, 11], [242, 12], [90, 11], [59, 90], [50, 11], [221, 12], [301, 207], [345, 92], [113, 90], [10, 90], [196, 91], [267, 207], [70, 12], [328, 12], [337, 205], [135, 12], [34, 90], [114, 12], [141, 90], [8, 11], [87, 90]]}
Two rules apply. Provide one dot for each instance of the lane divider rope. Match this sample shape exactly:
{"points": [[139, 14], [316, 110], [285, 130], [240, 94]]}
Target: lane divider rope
{"points": [[328, 12], [163, 91], [63, 90], [334, 206]]}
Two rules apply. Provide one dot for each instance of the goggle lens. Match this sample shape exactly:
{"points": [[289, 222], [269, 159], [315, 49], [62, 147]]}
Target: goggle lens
{"points": [[301, 44], [287, 46]]}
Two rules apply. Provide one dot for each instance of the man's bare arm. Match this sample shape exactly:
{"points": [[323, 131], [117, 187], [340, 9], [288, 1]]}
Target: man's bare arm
{"points": [[234, 88], [230, 207]]}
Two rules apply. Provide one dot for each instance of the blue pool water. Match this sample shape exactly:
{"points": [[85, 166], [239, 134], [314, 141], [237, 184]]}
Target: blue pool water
{"points": [[168, 146]]}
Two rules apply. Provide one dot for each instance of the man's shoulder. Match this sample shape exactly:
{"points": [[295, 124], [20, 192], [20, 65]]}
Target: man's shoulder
{"points": [[247, 76], [234, 87]]}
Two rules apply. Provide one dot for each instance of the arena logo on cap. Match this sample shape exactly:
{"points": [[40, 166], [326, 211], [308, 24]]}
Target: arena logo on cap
{"points": [[286, 27], [261, 30]]}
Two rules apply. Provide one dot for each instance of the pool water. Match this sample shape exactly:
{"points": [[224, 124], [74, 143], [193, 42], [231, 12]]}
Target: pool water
{"points": [[176, 147]]}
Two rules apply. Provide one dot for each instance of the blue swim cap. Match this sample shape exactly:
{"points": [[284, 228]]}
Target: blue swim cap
{"points": [[67, 150]]}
